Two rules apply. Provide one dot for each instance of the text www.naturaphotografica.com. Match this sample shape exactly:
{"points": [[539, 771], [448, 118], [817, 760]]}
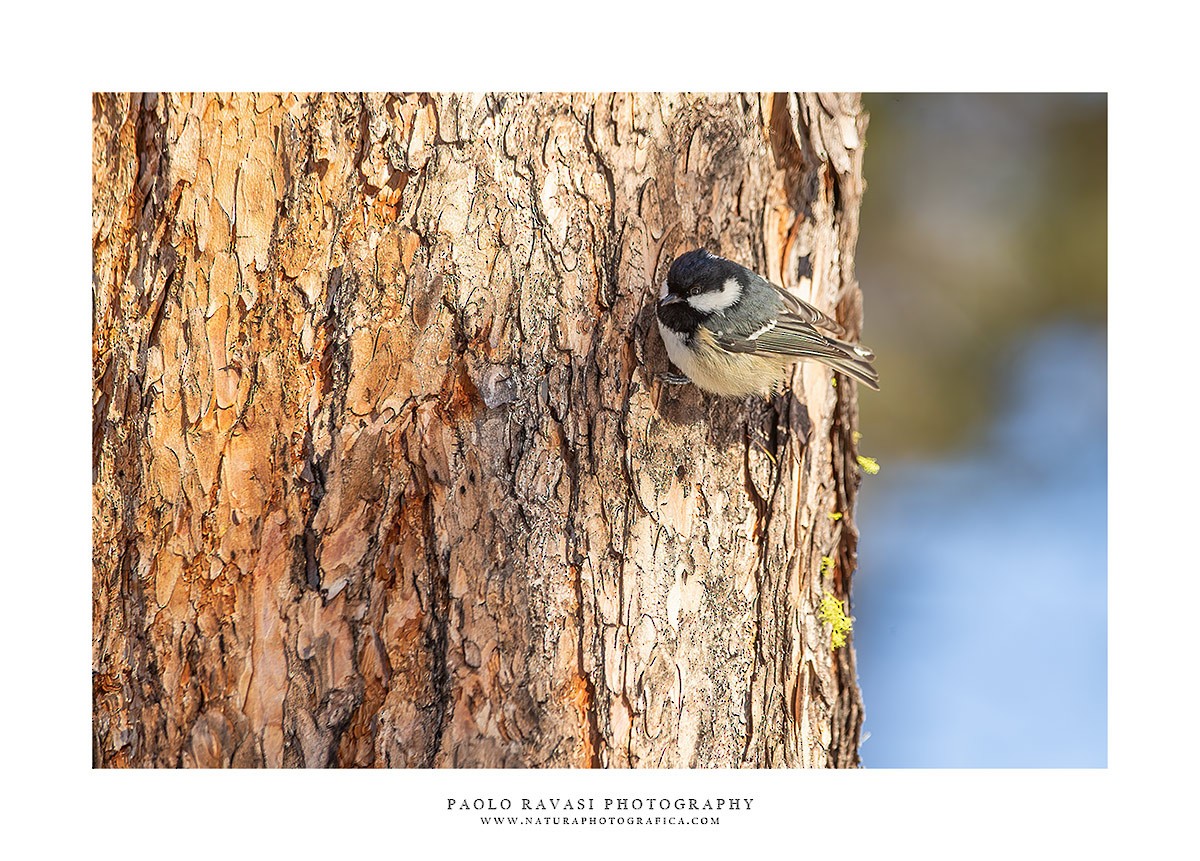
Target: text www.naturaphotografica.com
{"points": [[600, 820], [613, 811]]}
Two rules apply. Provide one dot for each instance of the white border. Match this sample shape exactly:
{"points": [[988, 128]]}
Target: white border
{"points": [[1142, 55]]}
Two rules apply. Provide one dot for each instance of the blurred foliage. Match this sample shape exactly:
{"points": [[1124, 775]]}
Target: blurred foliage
{"points": [[985, 220]]}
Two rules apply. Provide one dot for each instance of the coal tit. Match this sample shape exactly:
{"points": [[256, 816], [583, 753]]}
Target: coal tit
{"points": [[734, 333]]}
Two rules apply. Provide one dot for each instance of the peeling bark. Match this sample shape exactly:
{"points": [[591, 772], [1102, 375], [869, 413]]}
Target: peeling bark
{"points": [[383, 475]]}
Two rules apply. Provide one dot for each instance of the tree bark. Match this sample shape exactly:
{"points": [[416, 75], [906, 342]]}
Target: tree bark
{"points": [[383, 472]]}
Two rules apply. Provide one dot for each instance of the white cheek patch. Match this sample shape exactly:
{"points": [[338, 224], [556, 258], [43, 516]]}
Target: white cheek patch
{"points": [[719, 300]]}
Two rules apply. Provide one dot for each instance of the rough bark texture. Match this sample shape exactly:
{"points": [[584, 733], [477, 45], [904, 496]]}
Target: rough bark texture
{"points": [[383, 474]]}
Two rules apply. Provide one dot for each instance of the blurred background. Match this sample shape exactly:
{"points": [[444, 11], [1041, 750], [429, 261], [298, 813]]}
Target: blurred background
{"points": [[980, 599]]}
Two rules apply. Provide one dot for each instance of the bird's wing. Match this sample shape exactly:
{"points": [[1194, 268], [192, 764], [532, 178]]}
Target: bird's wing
{"points": [[790, 334], [797, 306]]}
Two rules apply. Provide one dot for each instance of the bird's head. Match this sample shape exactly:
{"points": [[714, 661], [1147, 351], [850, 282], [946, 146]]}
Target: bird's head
{"points": [[703, 282]]}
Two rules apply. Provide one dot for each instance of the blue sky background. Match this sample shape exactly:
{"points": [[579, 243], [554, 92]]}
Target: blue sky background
{"points": [[980, 599]]}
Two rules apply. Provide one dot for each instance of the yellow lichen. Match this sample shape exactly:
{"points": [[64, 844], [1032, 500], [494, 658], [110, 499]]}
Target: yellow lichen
{"points": [[869, 465], [833, 613]]}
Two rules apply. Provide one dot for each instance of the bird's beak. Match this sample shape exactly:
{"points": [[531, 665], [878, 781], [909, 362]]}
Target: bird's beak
{"points": [[669, 299]]}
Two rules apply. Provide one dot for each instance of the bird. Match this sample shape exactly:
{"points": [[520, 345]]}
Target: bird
{"points": [[734, 333]]}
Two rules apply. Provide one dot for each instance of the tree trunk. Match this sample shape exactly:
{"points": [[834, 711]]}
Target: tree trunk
{"points": [[383, 472]]}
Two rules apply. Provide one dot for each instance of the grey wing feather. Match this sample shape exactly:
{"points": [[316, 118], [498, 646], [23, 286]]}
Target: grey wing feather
{"points": [[790, 335], [795, 334], [798, 307]]}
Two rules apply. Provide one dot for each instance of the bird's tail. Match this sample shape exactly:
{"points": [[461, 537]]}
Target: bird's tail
{"points": [[853, 360]]}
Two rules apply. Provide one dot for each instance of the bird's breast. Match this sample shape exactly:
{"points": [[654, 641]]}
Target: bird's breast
{"points": [[716, 370]]}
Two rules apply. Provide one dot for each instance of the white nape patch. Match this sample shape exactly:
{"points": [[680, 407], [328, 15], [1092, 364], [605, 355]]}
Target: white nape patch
{"points": [[767, 328], [717, 300], [664, 290]]}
